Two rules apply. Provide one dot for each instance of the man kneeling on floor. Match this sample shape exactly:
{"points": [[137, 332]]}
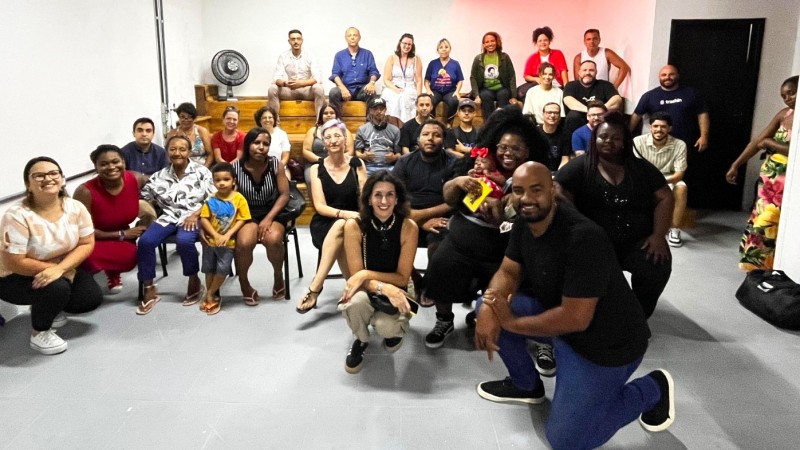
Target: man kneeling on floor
{"points": [[576, 293]]}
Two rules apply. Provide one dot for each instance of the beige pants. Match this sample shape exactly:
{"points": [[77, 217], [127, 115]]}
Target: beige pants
{"points": [[314, 92], [360, 314]]}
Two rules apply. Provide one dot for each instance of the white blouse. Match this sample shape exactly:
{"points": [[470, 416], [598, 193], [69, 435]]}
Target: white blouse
{"points": [[27, 233]]}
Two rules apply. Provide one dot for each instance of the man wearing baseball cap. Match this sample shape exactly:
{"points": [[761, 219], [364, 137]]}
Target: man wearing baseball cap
{"points": [[460, 140], [377, 142]]}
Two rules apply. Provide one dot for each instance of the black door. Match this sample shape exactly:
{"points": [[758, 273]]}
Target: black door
{"points": [[719, 58]]}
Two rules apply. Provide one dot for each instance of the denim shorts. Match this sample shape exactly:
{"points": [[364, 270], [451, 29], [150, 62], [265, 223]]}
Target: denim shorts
{"points": [[217, 260]]}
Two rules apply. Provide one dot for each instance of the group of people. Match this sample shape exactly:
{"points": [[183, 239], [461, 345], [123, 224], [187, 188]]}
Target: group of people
{"points": [[536, 215], [492, 76]]}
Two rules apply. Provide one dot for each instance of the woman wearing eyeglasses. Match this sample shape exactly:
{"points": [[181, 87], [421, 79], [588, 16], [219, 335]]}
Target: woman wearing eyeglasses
{"points": [[197, 135], [335, 184], [47, 237]]}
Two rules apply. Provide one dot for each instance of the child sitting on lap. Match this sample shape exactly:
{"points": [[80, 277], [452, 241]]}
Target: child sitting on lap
{"points": [[221, 217], [486, 170]]}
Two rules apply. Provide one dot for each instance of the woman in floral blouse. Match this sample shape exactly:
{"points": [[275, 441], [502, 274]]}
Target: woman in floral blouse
{"points": [[179, 191]]}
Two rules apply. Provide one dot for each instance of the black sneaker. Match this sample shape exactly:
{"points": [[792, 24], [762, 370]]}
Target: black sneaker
{"points": [[392, 344], [545, 361], [355, 357], [470, 319], [441, 330], [503, 391], [663, 414]]}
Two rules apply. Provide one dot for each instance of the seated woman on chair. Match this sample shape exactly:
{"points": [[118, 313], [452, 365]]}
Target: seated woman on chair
{"points": [[262, 181], [179, 190], [314, 147], [335, 184], [112, 199], [380, 247]]}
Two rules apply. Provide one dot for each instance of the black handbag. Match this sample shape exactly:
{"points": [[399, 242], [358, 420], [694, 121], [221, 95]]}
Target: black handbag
{"points": [[773, 296], [296, 205], [381, 303]]}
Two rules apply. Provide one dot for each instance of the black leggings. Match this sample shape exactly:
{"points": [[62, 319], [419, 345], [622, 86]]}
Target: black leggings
{"points": [[648, 279], [80, 296]]}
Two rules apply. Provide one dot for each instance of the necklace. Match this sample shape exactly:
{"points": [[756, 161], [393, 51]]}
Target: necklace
{"points": [[383, 228]]}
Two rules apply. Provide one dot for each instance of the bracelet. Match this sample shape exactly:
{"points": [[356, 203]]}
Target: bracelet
{"points": [[338, 211], [121, 235], [379, 288]]}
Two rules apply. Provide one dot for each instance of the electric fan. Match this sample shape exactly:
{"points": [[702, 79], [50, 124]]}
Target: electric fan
{"points": [[231, 69]]}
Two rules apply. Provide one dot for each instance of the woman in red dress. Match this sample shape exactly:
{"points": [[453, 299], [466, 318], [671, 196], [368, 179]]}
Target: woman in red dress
{"points": [[112, 198]]}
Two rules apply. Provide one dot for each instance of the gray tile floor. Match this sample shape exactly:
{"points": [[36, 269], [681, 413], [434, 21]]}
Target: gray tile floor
{"points": [[266, 377]]}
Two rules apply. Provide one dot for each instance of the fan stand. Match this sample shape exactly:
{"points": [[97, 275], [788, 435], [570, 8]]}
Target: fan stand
{"points": [[229, 95]]}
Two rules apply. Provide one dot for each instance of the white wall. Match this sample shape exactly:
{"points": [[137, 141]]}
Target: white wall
{"points": [[786, 256], [778, 48], [463, 22], [183, 36], [75, 75]]}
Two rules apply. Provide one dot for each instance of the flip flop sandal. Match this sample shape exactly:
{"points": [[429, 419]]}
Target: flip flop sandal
{"points": [[190, 300], [145, 307], [279, 294], [215, 307], [252, 300], [204, 306]]}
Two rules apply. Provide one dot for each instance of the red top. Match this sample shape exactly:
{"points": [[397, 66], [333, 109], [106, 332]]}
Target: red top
{"points": [[114, 212], [556, 58], [227, 149]]}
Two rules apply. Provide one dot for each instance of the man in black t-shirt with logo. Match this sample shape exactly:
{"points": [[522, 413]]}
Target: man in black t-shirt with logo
{"points": [[574, 292]]}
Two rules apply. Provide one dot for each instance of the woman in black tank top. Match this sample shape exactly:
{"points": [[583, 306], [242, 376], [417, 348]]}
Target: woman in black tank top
{"points": [[335, 184], [380, 246]]}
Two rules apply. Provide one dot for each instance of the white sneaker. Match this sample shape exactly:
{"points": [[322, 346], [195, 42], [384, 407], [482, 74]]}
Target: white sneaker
{"points": [[674, 237], [60, 320], [48, 343]]}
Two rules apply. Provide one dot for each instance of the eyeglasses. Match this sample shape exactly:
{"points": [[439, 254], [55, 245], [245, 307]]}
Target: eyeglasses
{"points": [[185, 117], [40, 176], [595, 115], [332, 136], [511, 148]]}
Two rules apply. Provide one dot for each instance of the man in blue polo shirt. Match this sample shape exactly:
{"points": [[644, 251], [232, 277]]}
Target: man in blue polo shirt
{"points": [[594, 117], [354, 72], [142, 155]]}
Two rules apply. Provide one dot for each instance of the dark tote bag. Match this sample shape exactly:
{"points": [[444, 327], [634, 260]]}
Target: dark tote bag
{"points": [[296, 205], [773, 296]]}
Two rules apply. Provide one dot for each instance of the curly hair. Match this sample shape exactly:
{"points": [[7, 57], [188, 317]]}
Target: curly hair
{"points": [[508, 119], [261, 111]]}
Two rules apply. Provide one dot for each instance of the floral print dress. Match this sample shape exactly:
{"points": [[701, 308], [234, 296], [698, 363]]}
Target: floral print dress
{"points": [[757, 248]]}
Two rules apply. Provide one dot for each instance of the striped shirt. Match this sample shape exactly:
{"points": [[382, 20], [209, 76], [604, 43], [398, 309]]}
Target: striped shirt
{"points": [[668, 159], [260, 196]]}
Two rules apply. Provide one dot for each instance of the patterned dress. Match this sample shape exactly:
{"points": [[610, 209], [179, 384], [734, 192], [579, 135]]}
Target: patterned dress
{"points": [[757, 248]]}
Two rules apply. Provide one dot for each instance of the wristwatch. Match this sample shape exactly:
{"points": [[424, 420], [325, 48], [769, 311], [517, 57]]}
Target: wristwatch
{"points": [[379, 288], [121, 235]]}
